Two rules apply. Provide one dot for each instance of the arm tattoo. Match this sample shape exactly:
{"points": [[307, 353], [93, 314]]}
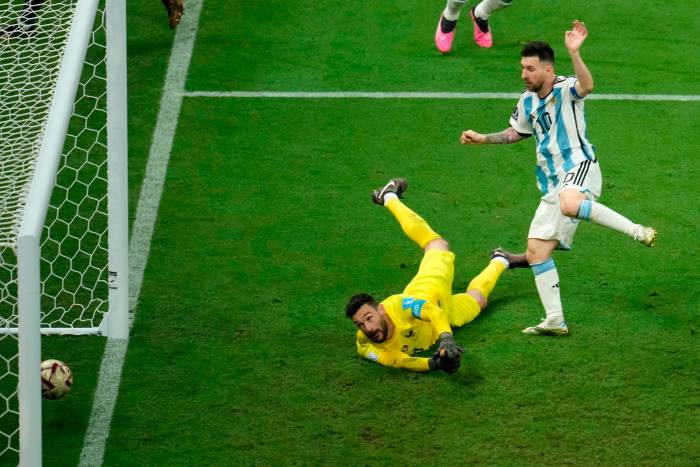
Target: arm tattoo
{"points": [[507, 136]]}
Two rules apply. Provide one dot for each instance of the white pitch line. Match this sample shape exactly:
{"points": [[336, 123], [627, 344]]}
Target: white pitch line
{"points": [[142, 231], [426, 95]]}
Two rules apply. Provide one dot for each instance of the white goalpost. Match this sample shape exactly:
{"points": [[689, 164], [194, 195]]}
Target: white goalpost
{"points": [[63, 198]]}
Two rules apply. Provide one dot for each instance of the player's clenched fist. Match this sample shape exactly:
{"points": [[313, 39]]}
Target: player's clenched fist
{"points": [[472, 137]]}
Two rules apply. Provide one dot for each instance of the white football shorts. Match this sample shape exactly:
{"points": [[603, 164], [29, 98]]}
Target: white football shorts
{"points": [[549, 223]]}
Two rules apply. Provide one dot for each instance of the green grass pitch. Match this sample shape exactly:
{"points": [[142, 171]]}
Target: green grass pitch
{"points": [[240, 353]]}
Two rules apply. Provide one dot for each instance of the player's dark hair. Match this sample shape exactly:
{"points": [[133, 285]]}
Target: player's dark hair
{"points": [[539, 49], [356, 302]]}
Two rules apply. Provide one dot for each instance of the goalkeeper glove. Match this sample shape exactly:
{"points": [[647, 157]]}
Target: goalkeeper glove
{"points": [[448, 357], [448, 365], [449, 347]]}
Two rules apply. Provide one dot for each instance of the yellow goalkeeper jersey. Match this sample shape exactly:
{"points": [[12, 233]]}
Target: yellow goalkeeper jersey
{"points": [[417, 325]]}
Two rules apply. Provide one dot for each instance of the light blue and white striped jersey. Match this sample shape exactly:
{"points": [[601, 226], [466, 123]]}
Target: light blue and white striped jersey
{"points": [[559, 126]]}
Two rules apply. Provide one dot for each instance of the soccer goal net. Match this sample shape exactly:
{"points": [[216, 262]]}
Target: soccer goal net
{"points": [[63, 210]]}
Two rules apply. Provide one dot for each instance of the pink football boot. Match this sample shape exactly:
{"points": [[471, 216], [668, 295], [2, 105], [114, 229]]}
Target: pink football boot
{"points": [[482, 32], [443, 41]]}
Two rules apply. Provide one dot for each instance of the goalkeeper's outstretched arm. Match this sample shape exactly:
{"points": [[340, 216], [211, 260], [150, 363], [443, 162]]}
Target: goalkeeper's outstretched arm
{"points": [[439, 361], [395, 359], [448, 357]]}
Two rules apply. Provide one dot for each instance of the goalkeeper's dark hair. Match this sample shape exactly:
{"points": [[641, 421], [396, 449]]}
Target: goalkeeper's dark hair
{"points": [[356, 302], [539, 49]]}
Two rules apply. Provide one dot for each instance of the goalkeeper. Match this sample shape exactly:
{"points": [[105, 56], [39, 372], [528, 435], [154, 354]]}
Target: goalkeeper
{"points": [[392, 331]]}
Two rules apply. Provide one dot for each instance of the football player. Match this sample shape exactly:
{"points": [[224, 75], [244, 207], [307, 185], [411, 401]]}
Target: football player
{"points": [[567, 171], [445, 33], [392, 331]]}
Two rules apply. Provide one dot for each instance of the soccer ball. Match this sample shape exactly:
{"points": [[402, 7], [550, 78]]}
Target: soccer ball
{"points": [[56, 379]]}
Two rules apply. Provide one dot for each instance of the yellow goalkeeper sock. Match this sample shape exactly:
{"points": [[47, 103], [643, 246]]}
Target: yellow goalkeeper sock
{"points": [[465, 307], [486, 280], [413, 225]]}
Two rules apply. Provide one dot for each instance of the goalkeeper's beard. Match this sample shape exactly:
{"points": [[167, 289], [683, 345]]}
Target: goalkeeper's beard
{"points": [[379, 335]]}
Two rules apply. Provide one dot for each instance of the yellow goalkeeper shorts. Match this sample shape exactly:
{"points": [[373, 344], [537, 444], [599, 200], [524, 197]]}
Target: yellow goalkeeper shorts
{"points": [[434, 279]]}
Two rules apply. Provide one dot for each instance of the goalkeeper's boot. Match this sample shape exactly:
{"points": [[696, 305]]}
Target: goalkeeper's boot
{"points": [[395, 185], [647, 236], [17, 31], [175, 9], [445, 34], [482, 31], [514, 260], [545, 329]]}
